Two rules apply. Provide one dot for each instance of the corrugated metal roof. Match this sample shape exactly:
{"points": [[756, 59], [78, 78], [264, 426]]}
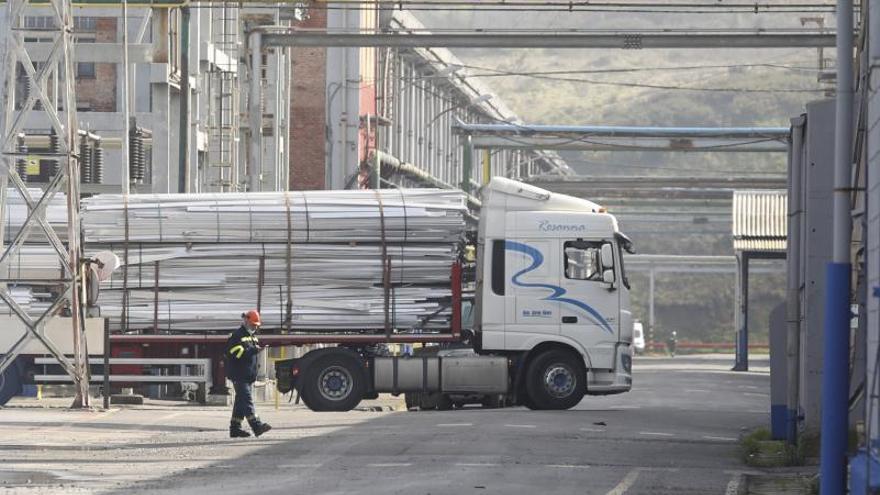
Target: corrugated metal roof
{"points": [[760, 220]]}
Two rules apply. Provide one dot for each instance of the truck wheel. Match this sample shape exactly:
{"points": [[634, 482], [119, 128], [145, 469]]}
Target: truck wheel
{"points": [[334, 383], [556, 380]]}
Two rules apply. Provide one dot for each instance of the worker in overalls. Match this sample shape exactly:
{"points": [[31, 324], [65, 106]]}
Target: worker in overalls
{"points": [[241, 368]]}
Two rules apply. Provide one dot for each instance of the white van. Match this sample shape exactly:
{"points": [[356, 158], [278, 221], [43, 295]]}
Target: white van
{"points": [[638, 337]]}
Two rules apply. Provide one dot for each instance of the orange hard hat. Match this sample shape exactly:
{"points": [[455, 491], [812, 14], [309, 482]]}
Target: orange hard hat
{"points": [[253, 317]]}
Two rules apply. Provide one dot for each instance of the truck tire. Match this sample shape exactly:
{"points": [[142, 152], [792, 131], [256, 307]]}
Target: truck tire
{"points": [[555, 380], [333, 382]]}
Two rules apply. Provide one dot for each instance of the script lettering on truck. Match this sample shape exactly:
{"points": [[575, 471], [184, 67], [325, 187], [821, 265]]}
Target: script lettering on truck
{"points": [[548, 226]]}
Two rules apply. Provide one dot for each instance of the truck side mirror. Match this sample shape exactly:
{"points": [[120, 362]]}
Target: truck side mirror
{"points": [[607, 256], [608, 278]]}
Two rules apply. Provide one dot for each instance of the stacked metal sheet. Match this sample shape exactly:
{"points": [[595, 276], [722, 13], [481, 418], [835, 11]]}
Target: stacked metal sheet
{"points": [[206, 258], [34, 259], [17, 211]]}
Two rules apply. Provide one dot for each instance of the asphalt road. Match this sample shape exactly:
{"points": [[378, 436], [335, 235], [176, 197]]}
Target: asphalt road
{"points": [[675, 433]]}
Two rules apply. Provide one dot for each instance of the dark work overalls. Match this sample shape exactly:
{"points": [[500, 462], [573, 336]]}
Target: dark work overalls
{"points": [[241, 353]]}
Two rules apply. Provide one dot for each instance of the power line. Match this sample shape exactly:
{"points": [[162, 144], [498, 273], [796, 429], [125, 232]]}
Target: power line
{"points": [[538, 75]]}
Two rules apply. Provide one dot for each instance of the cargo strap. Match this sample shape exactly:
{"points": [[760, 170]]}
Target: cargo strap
{"points": [[308, 225], [156, 297], [386, 267], [261, 278], [405, 235], [288, 316]]}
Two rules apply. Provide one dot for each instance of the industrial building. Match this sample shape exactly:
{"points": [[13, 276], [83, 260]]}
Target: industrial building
{"points": [[228, 99]]}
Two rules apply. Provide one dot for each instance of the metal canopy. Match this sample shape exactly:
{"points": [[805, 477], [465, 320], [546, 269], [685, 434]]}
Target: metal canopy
{"points": [[627, 138]]}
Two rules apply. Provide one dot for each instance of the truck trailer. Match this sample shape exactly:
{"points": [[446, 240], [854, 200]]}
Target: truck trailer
{"points": [[551, 317]]}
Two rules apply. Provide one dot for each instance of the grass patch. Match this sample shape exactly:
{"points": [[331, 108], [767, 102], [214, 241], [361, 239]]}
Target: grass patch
{"points": [[759, 449]]}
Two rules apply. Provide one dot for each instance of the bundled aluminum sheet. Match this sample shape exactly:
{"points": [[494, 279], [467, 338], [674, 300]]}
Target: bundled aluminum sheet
{"points": [[17, 211], [206, 258], [412, 215]]}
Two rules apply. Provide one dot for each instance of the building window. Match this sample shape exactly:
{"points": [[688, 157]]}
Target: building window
{"points": [[85, 70], [85, 24]]}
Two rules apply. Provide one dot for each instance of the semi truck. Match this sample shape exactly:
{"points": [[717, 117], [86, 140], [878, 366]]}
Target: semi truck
{"points": [[551, 317]]}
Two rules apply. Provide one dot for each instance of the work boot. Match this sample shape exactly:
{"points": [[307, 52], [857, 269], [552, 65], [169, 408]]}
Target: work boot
{"points": [[259, 427], [236, 431]]}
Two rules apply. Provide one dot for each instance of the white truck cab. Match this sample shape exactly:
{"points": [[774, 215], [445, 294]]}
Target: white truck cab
{"points": [[551, 275], [552, 318]]}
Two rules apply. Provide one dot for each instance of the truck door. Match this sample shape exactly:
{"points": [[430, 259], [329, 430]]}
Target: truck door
{"points": [[589, 302], [531, 281]]}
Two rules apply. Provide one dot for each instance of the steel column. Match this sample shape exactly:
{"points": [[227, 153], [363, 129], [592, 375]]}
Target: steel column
{"points": [[793, 281], [835, 376], [255, 112]]}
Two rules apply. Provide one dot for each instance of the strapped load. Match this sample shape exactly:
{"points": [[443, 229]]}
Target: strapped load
{"points": [[313, 261]]}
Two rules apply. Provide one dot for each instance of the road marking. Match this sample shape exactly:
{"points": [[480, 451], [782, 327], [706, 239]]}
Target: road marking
{"points": [[447, 425], [520, 426], [295, 466], [723, 439], [696, 391], [756, 394], [757, 411], [389, 464], [568, 466], [656, 433], [627, 407], [733, 484], [625, 483], [594, 430], [751, 387], [477, 464]]}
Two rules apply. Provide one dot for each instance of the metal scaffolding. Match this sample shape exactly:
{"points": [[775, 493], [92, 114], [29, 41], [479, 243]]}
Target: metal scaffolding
{"points": [[53, 93]]}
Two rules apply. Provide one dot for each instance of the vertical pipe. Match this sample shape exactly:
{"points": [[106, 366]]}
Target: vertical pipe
{"points": [[835, 375], [794, 278], [255, 149], [376, 171], [487, 165], [468, 164], [183, 131], [126, 154]]}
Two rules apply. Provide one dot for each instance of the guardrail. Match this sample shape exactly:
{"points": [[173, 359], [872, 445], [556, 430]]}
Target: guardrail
{"points": [[196, 371]]}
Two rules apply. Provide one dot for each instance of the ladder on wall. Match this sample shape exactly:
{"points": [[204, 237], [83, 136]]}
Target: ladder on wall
{"points": [[224, 115]]}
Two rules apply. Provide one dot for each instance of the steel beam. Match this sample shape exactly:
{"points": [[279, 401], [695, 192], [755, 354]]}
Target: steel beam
{"points": [[585, 143], [627, 40], [627, 138]]}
